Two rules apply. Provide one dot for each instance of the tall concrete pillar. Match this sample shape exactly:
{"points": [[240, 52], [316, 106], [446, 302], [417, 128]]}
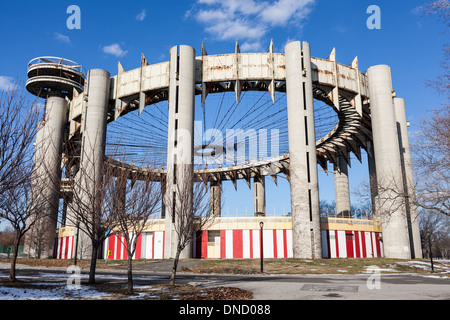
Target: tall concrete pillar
{"points": [[215, 198], [47, 177], [408, 177], [342, 189], [180, 156], [302, 149], [373, 180], [93, 145], [259, 188], [388, 164]]}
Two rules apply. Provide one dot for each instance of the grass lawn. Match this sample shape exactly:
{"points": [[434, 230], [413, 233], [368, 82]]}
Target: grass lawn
{"points": [[253, 266]]}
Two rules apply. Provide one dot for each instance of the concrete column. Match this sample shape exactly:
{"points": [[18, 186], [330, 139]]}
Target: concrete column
{"points": [[47, 176], [388, 164], [180, 156], [302, 149], [93, 144], [259, 188], [408, 177], [341, 188], [373, 180], [215, 198]]}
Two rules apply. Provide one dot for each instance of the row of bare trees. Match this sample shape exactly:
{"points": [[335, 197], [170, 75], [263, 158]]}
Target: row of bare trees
{"points": [[121, 202]]}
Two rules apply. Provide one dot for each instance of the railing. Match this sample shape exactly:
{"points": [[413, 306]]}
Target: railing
{"points": [[57, 61]]}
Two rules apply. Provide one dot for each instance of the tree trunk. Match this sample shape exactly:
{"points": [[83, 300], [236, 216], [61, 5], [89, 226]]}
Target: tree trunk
{"points": [[130, 273], [12, 273], [93, 263], [174, 268]]}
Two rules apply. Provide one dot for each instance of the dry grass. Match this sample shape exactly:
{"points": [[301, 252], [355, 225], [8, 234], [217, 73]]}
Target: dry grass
{"points": [[297, 266]]}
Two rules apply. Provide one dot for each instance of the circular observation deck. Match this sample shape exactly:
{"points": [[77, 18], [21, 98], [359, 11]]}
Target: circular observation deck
{"points": [[54, 76]]}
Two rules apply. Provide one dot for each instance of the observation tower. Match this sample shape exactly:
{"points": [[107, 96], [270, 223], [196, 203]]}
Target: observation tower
{"points": [[55, 80]]}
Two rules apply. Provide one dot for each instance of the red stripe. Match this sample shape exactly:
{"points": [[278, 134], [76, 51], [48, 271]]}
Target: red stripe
{"points": [[138, 247], [275, 249], [125, 247], [377, 239], [110, 246], [363, 241], [205, 245], [349, 243], [66, 253], [357, 247], [222, 244], [237, 244], [285, 243], [60, 247]]}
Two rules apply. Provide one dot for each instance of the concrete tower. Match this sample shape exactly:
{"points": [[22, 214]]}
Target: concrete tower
{"points": [[390, 204], [180, 156], [306, 237], [53, 79]]}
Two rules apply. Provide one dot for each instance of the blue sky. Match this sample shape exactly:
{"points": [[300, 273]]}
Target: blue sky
{"points": [[113, 31]]}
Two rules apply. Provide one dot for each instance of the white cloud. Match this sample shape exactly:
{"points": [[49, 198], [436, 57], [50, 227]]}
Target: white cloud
{"points": [[251, 46], [62, 37], [6, 83], [283, 11], [115, 50], [141, 16], [248, 20]]}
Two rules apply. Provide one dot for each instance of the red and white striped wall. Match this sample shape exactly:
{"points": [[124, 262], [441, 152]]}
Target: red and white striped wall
{"points": [[149, 246], [64, 248], [236, 244], [117, 245], [351, 244]]}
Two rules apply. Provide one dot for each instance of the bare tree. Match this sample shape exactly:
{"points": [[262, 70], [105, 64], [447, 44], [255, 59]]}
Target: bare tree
{"points": [[87, 209], [22, 213], [190, 212], [432, 158], [432, 146], [18, 124], [132, 201]]}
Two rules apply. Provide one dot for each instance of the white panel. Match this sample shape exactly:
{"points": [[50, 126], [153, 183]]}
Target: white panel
{"points": [[148, 245], [116, 240], [246, 244], [290, 251], [69, 255], [280, 244], [361, 252], [229, 244], [256, 245], [374, 244], [158, 244], [368, 244], [342, 243], [268, 243], [332, 236]]}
